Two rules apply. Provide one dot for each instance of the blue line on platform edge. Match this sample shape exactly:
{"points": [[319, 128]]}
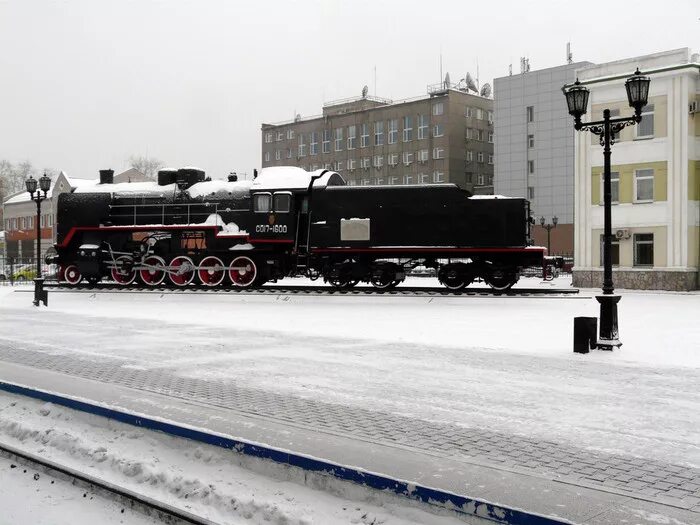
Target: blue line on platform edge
{"points": [[440, 498]]}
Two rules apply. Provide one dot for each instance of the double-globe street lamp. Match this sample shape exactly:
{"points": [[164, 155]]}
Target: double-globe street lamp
{"points": [[549, 228], [40, 295], [637, 87]]}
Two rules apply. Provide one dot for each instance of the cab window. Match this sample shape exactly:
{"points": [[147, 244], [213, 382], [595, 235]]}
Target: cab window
{"points": [[282, 202], [262, 203]]}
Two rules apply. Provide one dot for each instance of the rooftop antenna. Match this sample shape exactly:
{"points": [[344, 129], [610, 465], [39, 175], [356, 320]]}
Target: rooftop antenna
{"points": [[365, 89], [510, 70], [569, 55]]}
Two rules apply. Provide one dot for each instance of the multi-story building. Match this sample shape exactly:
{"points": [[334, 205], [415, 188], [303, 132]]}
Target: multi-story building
{"points": [[446, 136], [20, 214], [655, 176], [534, 149]]}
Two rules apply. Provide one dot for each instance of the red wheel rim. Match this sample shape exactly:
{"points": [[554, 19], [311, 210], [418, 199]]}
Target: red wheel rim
{"points": [[120, 274], [181, 271], [154, 273], [211, 271], [72, 275], [243, 271]]}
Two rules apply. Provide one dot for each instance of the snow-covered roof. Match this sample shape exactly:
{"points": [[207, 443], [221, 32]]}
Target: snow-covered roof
{"points": [[490, 197], [293, 178]]}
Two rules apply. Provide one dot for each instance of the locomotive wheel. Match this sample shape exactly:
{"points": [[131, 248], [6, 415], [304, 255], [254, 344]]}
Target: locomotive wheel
{"points": [[154, 273], [340, 282], [181, 271], [123, 273], [72, 275], [455, 276], [243, 271], [384, 277], [211, 271], [501, 279]]}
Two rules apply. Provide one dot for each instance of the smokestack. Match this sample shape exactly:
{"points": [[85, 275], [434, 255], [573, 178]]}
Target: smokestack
{"points": [[106, 176], [232, 177]]}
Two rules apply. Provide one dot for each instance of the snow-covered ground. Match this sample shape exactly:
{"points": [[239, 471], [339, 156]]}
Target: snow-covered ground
{"points": [[205, 480], [499, 363]]}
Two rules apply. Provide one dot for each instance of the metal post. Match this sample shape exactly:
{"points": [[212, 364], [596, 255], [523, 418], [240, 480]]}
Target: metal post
{"points": [[40, 294], [608, 301]]}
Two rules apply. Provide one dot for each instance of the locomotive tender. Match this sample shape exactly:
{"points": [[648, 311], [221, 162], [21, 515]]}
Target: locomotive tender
{"points": [[187, 229]]}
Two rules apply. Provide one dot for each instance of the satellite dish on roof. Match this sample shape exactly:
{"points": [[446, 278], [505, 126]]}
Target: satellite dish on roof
{"points": [[486, 90], [471, 85], [364, 92], [297, 117]]}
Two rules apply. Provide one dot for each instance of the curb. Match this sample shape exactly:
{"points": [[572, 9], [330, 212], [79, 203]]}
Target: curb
{"points": [[460, 504]]}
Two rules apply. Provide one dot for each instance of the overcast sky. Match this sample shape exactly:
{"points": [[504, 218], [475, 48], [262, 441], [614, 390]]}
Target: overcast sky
{"points": [[86, 84]]}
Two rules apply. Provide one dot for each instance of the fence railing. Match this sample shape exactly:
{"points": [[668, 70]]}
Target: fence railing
{"points": [[22, 270]]}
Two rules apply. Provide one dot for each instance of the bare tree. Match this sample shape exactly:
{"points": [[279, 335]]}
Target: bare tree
{"points": [[147, 165]]}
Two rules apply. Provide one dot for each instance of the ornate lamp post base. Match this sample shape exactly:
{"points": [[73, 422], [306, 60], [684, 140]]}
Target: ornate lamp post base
{"points": [[40, 295], [609, 335]]}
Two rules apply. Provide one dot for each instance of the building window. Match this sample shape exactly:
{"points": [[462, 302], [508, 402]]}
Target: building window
{"points": [[302, 145], [438, 176], [42, 221], [290, 134], [438, 108], [424, 178], [408, 179], [491, 137], [280, 136], [470, 156], [479, 113], [365, 163], [351, 164], [407, 129], [531, 166], [267, 156], [614, 188], [530, 192], [468, 112], [531, 113], [422, 127], [393, 159], [339, 139], [423, 155], [352, 137], [289, 153], [490, 117], [278, 154], [365, 182], [480, 157], [326, 141], [364, 135], [644, 249], [378, 161], [490, 159], [338, 165], [438, 153], [530, 141], [379, 133], [378, 182], [407, 158], [438, 130], [480, 179], [644, 185], [645, 129], [313, 143], [268, 138], [393, 131], [615, 245]]}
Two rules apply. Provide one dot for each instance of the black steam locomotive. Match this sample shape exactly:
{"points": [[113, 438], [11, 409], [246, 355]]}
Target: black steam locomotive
{"points": [[187, 229]]}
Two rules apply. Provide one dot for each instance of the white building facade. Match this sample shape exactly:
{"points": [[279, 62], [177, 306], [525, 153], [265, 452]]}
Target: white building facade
{"points": [[655, 177]]}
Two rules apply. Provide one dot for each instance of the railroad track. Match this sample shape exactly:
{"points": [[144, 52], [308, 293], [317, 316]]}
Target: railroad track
{"points": [[272, 289], [133, 500]]}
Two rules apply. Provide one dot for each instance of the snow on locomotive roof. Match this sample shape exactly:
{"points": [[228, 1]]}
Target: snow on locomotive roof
{"points": [[211, 187], [293, 178], [124, 187], [490, 197]]}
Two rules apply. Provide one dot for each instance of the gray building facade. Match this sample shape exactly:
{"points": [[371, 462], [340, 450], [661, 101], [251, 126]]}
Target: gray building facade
{"points": [[534, 149], [446, 136]]}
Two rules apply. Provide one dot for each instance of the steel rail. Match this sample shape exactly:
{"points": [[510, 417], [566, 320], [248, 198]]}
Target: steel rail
{"points": [[139, 502], [309, 290]]}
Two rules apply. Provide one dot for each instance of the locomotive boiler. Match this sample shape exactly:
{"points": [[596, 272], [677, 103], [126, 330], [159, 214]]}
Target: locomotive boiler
{"points": [[186, 229]]}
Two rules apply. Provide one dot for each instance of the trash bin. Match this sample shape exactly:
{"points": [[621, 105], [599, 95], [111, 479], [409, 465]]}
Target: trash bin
{"points": [[585, 334]]}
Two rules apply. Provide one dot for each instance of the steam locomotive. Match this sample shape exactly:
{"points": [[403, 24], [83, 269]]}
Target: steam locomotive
{"points": [[186, 229]]}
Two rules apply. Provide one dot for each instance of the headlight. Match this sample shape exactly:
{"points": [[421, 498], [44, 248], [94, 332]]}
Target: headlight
{"points": [[82, 253]]}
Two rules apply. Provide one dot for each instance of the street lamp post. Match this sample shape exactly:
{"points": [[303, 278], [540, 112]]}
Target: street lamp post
{"points": [[637, 87], [40, 295], [549, 228]]}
